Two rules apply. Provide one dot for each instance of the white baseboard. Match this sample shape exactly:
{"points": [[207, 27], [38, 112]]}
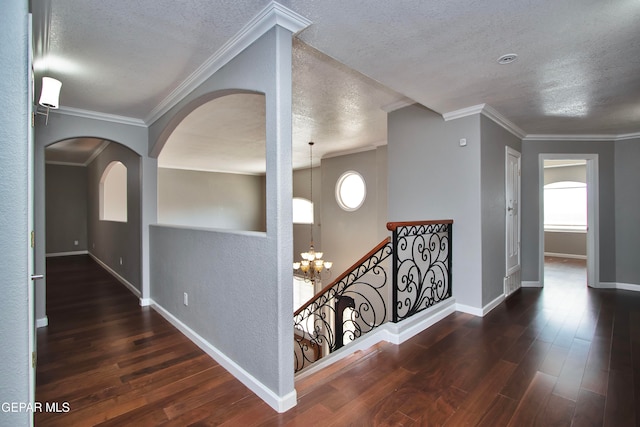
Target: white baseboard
{"points": [[42, 322], [57, 254], [145, 302], [480, 312], [408, 328], [395, 333], [118, 277], [531, 284], [620, 286], [279, 403], [571, 256]]}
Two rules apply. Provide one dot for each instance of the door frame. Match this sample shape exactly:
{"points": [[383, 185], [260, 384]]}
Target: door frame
{"points": [[515, 153], [593, 224]]}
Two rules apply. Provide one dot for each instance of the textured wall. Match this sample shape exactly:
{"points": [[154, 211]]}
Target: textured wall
{"points": [[347, 236], [495, 139], [210, 199], [63, 127], [247, 302], [302, 232], [14, 142], [432, 177], [627, 211], [111, 241], [66, 208]]}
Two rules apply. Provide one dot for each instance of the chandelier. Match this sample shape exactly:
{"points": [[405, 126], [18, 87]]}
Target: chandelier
{"points": [[312, 263]]}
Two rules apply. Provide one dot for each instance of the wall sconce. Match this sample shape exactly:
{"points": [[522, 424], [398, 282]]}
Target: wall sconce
{"points": [[49, 96]]}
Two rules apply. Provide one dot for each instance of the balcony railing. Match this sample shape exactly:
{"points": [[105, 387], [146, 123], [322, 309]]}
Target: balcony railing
{"points": [[401, 276]]}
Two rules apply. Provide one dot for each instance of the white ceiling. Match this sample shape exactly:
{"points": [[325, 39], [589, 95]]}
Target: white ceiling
{"points": [[577, 72]]}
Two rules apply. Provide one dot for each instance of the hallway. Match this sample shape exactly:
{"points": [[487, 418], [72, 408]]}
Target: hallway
{"points": [[562, 355]]}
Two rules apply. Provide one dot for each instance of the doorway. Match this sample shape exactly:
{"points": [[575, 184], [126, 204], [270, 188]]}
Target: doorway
{"points": [[569, 235]]}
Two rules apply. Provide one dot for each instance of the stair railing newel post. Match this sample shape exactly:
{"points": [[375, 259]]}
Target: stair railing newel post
{"points": [[394, 282], [450, 259]]}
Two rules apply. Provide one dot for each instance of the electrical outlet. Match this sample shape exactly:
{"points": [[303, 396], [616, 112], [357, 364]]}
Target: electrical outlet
{"points": [[75, 243], [185, 298], [120, 260]]}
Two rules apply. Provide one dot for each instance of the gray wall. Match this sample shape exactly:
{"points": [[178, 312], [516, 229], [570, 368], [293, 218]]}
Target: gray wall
{"points": [[110, 240], [246, 303], [66, 208], [530, 202], [495, 139], [210, 199], [627, 211], [64, 126], [431, 177], [14, 226], [347, 236], [301, 232], [576, 173], [565, 243]]}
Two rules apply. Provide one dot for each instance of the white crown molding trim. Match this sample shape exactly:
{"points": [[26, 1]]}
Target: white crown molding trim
{"points": [[463, 112], [87, 114], [352, 151], [583, 138], [279, 403], [499, 119], [118, 277], [96, 153], [397, 105], [628, 136], [273, 14], [488, 112]]}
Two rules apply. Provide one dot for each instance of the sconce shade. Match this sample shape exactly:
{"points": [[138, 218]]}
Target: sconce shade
{"points": [[49, 96]]}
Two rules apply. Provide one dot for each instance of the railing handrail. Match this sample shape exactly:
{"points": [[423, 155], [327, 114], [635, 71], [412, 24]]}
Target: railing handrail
{"points": [[343, 275], [392, 226]]}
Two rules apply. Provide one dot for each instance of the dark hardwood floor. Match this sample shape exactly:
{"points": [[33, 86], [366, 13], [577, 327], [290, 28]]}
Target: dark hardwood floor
{"points": [[565, 355]]}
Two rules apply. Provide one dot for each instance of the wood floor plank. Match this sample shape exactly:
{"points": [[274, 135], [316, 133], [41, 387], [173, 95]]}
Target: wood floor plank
{"points": [[589, 410], [530, 409], [475, 405], [554, 356]]}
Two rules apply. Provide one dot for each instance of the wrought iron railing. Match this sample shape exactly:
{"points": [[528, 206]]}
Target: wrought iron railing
{"points": [[421, 264], [400, 277]]}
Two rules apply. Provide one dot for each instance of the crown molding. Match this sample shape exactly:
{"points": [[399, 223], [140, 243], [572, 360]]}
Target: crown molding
{"points": [[583, 138], [273, 14], [628, 136], [397, 105], [488, 112], [96, 153], [463, 112], [87, 114]]}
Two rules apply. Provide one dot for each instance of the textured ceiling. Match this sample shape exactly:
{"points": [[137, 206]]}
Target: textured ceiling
{"points": [[577, 72]]}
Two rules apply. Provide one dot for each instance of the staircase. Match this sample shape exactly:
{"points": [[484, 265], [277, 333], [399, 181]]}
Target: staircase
{"points": [[400, 277]]}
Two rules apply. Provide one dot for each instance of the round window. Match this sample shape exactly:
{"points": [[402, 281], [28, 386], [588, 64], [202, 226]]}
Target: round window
{"points": [[350, 191]]}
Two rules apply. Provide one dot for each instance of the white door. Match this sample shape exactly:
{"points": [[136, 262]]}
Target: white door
{"points": [[512, 279]]}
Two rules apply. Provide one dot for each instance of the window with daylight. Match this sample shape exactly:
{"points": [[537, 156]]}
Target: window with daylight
{"points": [[113, 193], [565, 206], [350, 191], [302, 211]]}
